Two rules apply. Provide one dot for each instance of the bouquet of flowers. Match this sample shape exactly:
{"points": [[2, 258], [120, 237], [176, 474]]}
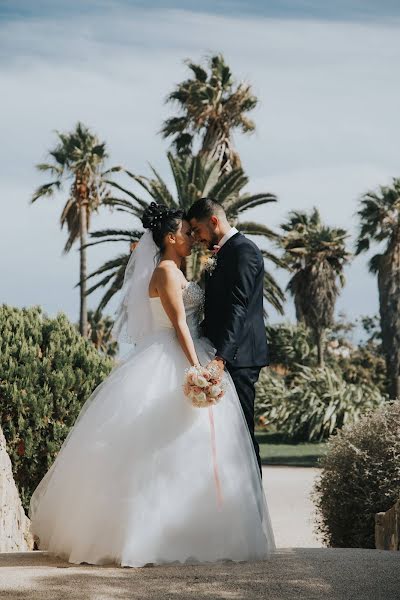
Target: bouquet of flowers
{"points": [[202, 386]]}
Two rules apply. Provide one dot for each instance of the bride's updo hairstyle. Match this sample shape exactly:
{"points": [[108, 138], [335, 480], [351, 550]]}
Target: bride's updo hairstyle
{"points": [[161, 220]]}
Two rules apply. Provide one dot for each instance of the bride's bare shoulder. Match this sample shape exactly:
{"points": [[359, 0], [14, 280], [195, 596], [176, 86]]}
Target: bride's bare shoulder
{"points": [[167, 273]]}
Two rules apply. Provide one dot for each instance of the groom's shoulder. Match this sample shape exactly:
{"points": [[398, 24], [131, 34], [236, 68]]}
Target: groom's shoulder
{"points": [[244, 251], [241, 242]]}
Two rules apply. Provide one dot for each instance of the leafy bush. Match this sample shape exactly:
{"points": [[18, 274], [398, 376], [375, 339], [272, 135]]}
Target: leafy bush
{"points": [[360, 477], [47, 370], [361, 364], [290, 345], [271, 393], [365, 366], [313, 404]]}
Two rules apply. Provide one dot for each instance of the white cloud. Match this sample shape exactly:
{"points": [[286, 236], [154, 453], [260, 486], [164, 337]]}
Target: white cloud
{"points": [[327, 123]]}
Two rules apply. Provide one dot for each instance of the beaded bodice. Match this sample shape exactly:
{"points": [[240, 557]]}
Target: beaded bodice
{"points": [[193, 300]]}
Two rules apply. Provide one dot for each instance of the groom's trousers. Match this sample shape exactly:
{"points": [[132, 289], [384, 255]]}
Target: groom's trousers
{"points": [[245, 379]]}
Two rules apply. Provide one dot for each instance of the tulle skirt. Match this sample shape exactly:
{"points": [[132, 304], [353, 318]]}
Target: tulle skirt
{"points": [[137, 480]]}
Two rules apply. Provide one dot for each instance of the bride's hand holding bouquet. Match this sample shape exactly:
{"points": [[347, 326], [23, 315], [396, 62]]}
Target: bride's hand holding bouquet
{"points": [[203, 386]]}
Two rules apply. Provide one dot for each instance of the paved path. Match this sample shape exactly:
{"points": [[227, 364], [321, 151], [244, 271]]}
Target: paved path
{"points": [[292, 574], [301, 571], [288, 495]]}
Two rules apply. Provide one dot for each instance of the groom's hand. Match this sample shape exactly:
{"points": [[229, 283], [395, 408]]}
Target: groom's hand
{"points": [[219, 365]]}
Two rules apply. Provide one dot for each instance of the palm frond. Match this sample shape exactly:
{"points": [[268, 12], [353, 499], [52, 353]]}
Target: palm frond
{"points": [[47, 189], [246, 201], [142, 203], [254, 228], [273, 293]]}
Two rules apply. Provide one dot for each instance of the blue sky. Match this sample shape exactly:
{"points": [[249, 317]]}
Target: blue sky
{"points": [[340, 10], [327, 121]]}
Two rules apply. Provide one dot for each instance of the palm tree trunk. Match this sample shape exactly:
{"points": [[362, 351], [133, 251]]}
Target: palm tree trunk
{"points": [[217, 145], [389, 308], [83, 318], [394, 385]]}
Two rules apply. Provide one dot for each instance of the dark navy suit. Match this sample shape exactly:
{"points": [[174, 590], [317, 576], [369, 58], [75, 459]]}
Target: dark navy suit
{"points": [[234, 319]]}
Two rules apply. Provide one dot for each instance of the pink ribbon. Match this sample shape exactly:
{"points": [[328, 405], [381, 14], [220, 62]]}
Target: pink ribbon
{"points": [[214, 455]]}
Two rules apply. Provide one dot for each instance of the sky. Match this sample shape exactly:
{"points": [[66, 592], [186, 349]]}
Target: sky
{"points": [[327, 123]]}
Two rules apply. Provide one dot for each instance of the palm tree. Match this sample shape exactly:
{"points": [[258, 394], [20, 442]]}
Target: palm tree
{"points": [[194, 177], [316, 254], [77, 159], [379, 215], [99, 333], [211, 108]]}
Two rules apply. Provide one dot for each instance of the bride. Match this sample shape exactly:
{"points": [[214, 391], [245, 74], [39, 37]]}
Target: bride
{"points": [[143, 476]]}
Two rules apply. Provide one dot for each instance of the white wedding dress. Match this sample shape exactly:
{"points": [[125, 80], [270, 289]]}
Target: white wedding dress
{"points": [[134, 480]]}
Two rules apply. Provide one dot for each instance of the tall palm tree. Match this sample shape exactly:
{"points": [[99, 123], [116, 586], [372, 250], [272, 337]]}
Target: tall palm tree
{"points": [[194, 177], [78, 160], [379, 216], [211, 108], [316, 254]]}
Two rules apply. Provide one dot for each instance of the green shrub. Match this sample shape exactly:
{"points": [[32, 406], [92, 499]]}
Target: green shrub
{"points": [[364, 366], [313, 403], [47, 371], [271, 394], [290, 345], [360, 477]]}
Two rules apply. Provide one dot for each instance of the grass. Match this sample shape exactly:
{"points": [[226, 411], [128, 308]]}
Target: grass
{"points": [[276, 450]]}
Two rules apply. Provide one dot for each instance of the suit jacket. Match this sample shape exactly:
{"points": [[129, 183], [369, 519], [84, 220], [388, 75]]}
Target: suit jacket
{"points": [[233, 319]]}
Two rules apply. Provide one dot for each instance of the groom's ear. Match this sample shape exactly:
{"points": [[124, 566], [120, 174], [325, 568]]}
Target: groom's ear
{"points": [[214, 220]]}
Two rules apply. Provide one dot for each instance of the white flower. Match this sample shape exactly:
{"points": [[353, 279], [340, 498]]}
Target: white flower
{"points": [[200, 381], [214, 391], [200, 397], [211, 263]]}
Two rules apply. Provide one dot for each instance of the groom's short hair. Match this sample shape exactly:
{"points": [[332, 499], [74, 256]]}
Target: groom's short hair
{"points": [[204, 208]]}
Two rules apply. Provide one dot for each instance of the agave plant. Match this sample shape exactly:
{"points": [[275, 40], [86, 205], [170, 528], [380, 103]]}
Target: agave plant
{"points": [[315, 404], [194, 177]]}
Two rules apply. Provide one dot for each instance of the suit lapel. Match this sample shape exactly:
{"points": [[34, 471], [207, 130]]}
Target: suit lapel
{"points": [[212, 278]]}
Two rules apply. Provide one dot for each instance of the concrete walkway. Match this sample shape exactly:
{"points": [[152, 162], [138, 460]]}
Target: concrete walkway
{"points": [[288, 492], [293, 574], [299, 570]]}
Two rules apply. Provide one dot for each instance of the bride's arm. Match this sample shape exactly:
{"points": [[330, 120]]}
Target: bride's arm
{"points": [[170, 291]]}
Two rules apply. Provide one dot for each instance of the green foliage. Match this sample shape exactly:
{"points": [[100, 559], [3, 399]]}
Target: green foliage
{"points": [[360, 477], [363, 364], [47, 371], [316, 255], [311, 404], [290, 345], [379, 216], [211, 107], [78, 160], [100, 333], [194, 177]]}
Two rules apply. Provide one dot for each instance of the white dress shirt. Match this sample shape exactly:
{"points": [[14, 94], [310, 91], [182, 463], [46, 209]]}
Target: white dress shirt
{"points": [[227, 236]]}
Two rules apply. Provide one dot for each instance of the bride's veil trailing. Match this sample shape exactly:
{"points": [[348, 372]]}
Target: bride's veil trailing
{"points": [[134, 319]]}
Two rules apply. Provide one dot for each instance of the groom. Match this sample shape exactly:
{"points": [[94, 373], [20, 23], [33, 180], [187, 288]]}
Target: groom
{"points": [[234, 302]]}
